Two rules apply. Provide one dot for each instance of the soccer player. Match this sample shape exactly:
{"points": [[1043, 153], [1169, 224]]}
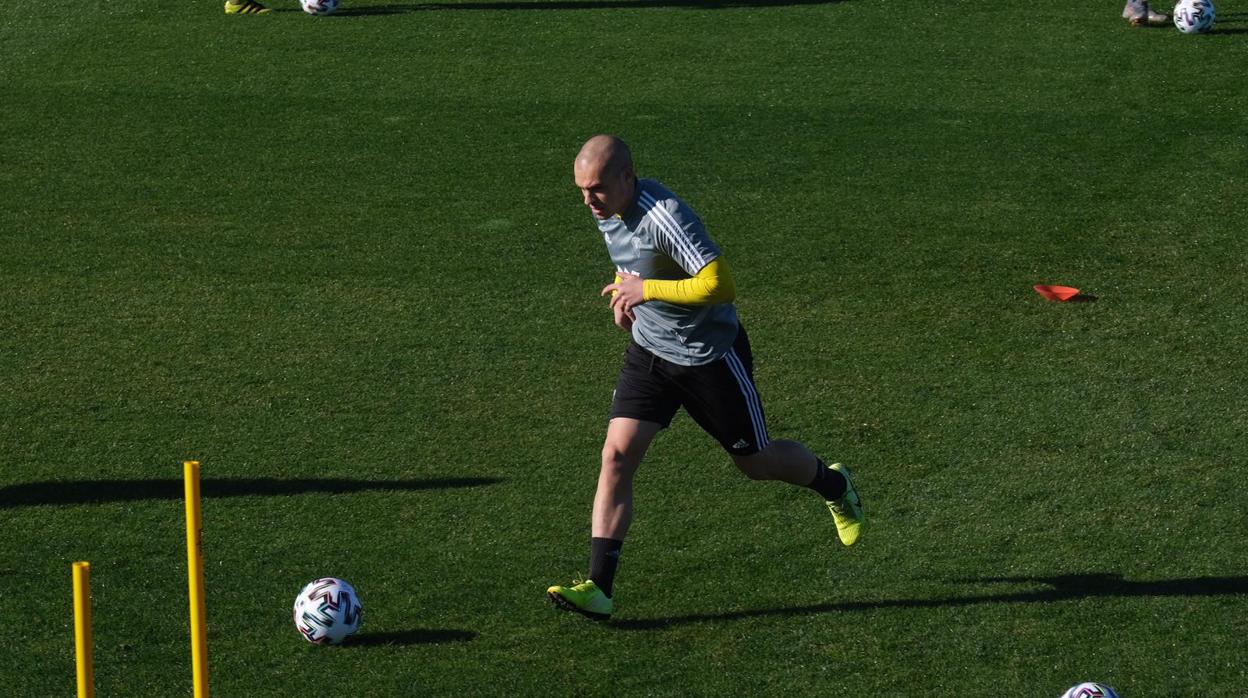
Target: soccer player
{"points": [[1139, 14], [245, 7], [673, 291]]}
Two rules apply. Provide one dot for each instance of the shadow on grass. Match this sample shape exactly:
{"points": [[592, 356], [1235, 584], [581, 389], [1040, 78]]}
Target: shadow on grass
{"points": [[1061, 588], [102, 491], [403, 638], [373, 10]]}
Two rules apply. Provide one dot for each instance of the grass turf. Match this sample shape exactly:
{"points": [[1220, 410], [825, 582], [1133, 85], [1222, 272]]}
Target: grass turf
{"points": [[341, 261]]}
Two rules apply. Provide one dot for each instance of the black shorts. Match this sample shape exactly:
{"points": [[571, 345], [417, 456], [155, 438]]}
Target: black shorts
{"points": [[720, 396]]}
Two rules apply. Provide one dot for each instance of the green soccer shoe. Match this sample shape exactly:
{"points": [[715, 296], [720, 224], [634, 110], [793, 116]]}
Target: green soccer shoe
{"points": [[847, 511], [584, 598]]}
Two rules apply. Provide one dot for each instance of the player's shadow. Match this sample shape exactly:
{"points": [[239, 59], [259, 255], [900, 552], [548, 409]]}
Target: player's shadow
{"points": [[1220, 28], [556, 5], [103, 491], [1058, 588], [403, 638]]}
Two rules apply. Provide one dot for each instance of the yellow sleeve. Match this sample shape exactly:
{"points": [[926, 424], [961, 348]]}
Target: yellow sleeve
{"points": [[713, 284]]}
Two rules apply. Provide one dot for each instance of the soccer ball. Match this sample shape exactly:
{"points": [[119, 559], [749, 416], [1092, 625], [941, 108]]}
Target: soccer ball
{"points": [[1193, 16], [319, 7], [327, 611], [1090, 689]]}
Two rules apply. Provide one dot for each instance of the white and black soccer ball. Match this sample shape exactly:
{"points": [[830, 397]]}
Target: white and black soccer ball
{"points": [[1090, 689], [327, 611], [1194, 16], [319, 7]]}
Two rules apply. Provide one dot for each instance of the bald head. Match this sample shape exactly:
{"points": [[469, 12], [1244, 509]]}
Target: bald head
{"points": [[604, 174], [605, 153]]}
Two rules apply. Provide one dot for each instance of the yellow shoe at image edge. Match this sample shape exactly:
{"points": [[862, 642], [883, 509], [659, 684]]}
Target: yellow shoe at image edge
{"points": [[847, 511], [245, 7], [584, 598]]}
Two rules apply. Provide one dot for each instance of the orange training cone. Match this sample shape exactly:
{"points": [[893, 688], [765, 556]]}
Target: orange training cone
{"points": [[1061, 294]]}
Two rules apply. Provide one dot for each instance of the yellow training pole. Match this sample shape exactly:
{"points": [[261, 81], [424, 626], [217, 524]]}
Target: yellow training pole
{"points": [[82, 629], [195, 574]]}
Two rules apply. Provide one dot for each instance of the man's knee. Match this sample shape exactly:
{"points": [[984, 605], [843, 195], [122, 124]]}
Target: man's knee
{"points": [[755, 466], [612, 457], [626, 444], [617, 460]]}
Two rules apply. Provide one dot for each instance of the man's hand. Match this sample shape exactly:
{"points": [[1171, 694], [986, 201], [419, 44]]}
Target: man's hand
{"points": [[626, 293], [624, 320]]}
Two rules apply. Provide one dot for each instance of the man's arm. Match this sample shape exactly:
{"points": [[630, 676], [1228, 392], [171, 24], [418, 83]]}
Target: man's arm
{"points": [[711, 285]]}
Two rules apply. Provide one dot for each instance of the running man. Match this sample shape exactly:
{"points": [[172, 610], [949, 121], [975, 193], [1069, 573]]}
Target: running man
{"points": [[673, 291]]}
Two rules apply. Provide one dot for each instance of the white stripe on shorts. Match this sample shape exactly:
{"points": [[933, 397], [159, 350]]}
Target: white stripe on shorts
{"points": [[751, 397]]}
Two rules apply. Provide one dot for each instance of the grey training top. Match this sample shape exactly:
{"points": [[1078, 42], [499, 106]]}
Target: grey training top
{"points": [[660, 237]]}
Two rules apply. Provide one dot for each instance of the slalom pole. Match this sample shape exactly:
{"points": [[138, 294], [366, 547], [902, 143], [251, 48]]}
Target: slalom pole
{"points": [[195, 576], [82, 629]]}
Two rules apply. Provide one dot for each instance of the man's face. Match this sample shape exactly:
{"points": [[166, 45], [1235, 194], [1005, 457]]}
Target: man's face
{"points": [[606, 193]]}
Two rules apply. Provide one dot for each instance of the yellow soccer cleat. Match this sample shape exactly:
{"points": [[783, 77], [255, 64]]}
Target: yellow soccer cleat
{"points": [[245, 7], [584, 598], [847, 511]]}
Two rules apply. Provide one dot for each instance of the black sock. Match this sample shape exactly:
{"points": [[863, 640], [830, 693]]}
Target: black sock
{"points": [[604, 556], [829, 483]]}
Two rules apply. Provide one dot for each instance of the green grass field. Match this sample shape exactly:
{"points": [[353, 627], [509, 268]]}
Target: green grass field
{"points": [[341, 261]]}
